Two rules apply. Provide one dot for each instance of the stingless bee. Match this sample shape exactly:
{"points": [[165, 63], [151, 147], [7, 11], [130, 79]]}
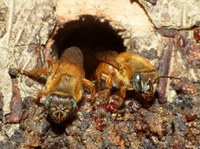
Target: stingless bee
{"points": [[64, 85], [126, 70]]}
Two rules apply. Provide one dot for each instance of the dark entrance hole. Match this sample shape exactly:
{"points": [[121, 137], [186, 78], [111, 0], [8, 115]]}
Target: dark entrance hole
{"points": [[90, 35]]}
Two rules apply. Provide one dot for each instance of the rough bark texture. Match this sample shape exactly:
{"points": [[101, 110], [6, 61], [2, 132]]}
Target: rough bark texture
{"points": [[145, 27]]}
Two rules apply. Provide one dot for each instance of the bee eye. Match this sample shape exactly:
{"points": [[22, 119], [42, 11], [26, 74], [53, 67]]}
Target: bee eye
{"points": [[48, 101], [138, 82], [73, 104]]}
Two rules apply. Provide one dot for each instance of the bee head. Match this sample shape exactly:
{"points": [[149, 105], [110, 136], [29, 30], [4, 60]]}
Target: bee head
{"points": [[144, 83], [60, 107]]}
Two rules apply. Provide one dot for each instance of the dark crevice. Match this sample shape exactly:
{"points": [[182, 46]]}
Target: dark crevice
{"points": [[91, 36]]}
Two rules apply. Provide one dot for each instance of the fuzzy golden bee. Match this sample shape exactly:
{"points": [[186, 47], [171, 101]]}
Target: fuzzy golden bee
{"points": [[64, 85], [126, 70]]}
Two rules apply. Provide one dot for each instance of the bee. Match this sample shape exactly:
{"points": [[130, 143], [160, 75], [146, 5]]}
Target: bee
{"points": [[64, 84], [126, 71]]}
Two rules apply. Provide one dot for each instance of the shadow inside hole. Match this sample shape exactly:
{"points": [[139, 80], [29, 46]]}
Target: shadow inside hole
{"points": [[91, 36]]}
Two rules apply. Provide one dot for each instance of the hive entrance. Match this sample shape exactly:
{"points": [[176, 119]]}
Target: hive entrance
{"points": [[90, 35]]}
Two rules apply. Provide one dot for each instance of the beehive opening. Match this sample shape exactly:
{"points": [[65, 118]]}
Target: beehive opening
{"points": [[91, 35]]}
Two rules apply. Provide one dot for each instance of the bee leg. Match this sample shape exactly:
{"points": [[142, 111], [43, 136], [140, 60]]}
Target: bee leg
{"points": [[108, 81], [122, 92], [35, 75], [32, 73], [39, 96], [108, 85], [108, 92], [98, 80], [90, 86]]}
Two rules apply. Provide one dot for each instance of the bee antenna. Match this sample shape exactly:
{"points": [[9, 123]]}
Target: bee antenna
{"points": [[156, 79], [169, 77]]}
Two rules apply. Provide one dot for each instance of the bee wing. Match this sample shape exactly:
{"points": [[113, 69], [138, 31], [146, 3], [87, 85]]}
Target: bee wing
{"points": [[108, 57], [73, 55]]}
